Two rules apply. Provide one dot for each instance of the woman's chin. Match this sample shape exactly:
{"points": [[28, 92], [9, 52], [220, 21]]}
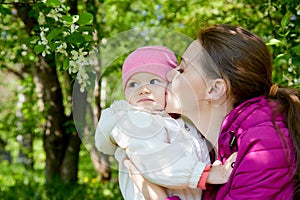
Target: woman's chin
{"points": [[173, 108]]}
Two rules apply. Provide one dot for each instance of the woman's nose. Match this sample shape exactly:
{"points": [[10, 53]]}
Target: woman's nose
{"points": [[171, 74], [144, 90]]}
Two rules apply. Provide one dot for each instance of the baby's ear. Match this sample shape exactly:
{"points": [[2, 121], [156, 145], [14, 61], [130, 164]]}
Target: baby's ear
{"points": [[217, 89]]}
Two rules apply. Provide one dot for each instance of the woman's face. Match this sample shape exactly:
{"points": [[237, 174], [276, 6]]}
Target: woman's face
{"points": [[188, 84]]}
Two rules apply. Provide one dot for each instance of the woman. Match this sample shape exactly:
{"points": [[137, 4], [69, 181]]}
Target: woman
{"points": [[224, 85]]}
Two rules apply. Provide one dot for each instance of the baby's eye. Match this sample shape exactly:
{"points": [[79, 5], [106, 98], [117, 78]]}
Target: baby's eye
{"points": [[154, 81], [133, 84]]}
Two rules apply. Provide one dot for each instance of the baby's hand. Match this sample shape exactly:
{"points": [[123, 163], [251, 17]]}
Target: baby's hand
{"points": [[149, 190], [219, 174]]}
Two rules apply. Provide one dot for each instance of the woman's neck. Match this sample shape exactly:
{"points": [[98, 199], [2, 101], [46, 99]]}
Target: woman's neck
{"points": [[208, 120]]}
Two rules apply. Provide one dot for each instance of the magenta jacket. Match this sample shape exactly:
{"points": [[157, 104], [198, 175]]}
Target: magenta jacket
{"points": [[265, 163]]}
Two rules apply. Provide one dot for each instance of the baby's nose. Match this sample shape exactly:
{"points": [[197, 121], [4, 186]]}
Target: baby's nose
{"points": [[144, 90]]}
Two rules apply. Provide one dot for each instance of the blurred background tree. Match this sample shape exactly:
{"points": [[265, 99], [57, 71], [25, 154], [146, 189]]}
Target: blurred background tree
{"points": [[44, 50]]}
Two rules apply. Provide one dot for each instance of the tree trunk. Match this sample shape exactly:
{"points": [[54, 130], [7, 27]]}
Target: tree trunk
{"points": [[101, 164], [49, 91], [69, 167], [100, 160], [81, 108], [61, 143]]}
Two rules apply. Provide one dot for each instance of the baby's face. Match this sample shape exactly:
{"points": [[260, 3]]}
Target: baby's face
{"points": [[146, 90]]}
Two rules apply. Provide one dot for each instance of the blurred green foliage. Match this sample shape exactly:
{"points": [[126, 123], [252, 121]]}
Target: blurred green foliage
{"points": [[276, 21], [19, 183]]}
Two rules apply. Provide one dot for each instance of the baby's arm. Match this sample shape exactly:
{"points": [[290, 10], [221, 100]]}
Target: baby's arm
{"points": [[103, 140], [149, 190], [172, 166], [152, 191]]}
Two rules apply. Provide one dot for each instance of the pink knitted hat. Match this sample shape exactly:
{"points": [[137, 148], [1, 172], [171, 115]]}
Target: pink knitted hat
{"points": [[157, 60]]}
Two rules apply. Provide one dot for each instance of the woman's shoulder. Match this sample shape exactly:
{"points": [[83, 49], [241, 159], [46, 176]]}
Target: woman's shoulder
{"points": [[257, 112], [254, 121]]}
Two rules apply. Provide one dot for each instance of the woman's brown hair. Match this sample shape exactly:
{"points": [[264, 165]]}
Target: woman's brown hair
{"points": [[245, 63]]}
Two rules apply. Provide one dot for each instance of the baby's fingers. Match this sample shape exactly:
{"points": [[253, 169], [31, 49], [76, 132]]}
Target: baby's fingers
{"points": [[229, 164]]}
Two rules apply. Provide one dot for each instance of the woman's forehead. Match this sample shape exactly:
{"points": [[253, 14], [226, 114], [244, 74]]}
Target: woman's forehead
{"points": [[193, 56], [193, 51], [196, 56]]}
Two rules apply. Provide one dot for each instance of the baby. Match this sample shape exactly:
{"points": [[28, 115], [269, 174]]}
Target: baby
{"points": [[167, 151]]}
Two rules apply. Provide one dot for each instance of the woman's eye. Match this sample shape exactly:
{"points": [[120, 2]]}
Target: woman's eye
{"points": [[133, 84], [154, 81], [180, 70]]}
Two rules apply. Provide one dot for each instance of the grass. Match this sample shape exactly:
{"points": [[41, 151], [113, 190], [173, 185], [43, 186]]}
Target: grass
{"points": [[19, 183]]}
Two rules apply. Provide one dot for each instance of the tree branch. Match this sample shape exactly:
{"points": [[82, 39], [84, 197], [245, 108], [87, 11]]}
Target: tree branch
{"points": [[16, 73], [23, 12]]}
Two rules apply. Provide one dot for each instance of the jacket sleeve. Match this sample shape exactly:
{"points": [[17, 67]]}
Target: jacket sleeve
{"points": [[173, 166], [183, 173], [103, 140], [262, 168]]}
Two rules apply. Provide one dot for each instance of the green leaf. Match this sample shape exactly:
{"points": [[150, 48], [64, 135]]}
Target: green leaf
{"points": [[68, 19], [85, 18], [66, 64], [285, 34], [296, 49], [281, 59], [5, 11], [53, 34], [285, 20], [39, 48], [53, 46], [53, 3], [76, 38], [274, 42], [90, 29], [88, 38], [296, 61]]}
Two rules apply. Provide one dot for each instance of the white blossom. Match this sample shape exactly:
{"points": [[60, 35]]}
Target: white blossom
{"points": [[104, 41], [41, 18], [43, 29], [79, 55], [73, 67], [83, 78], [62, 49], [44, 41], [74, 28], [74, 54], [46, 51], [78, 61], [55, 14]]}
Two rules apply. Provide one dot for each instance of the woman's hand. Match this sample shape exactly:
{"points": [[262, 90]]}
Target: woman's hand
{"points": [[148, 189], [219, 174]]}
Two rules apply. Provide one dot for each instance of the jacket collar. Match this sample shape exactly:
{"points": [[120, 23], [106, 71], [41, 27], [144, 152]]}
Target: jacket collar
{"points": [[244, 116], [238, 115]]}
